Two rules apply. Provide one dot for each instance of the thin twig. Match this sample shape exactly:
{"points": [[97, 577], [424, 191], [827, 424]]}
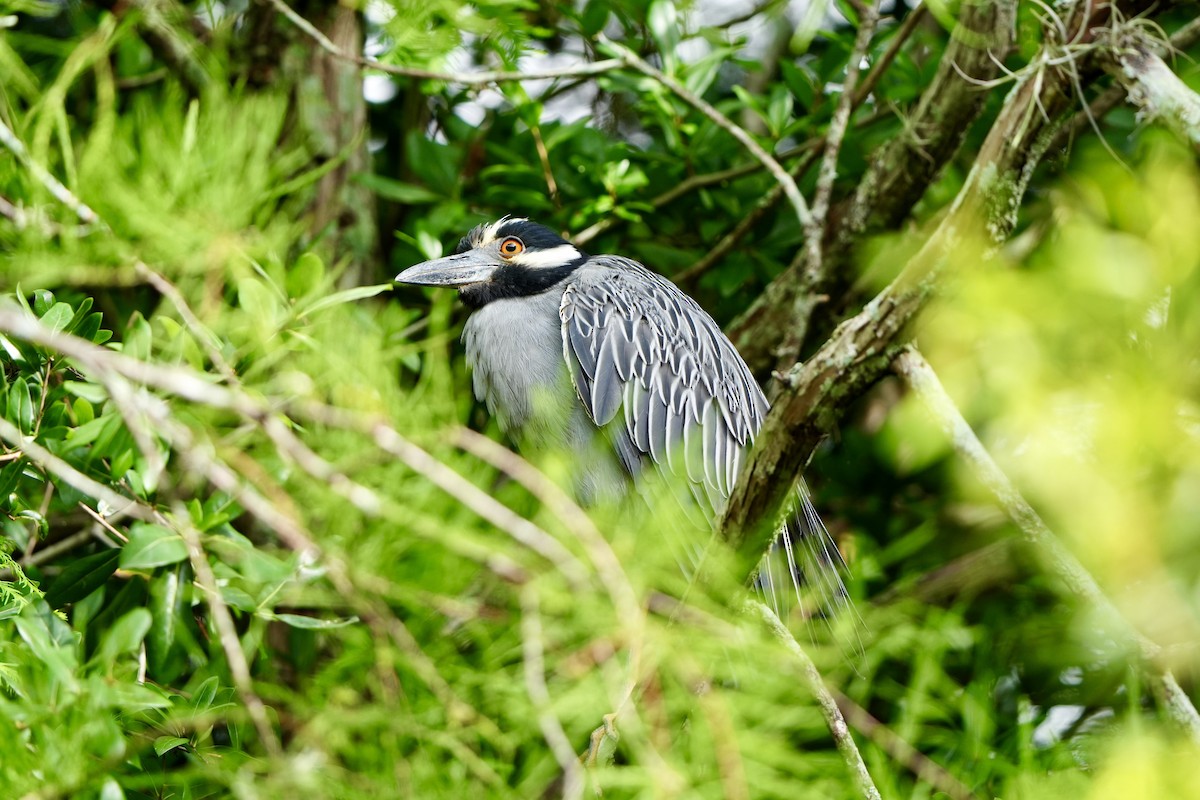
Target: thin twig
{"points": [[814, 230], [203, 336], [919, 764], [550, 494], [907, 27], [481, 503], [829, 707], [744, 226], [721, 121], [460, 78], [53, 465], [915, 370], [535, 686], [43, 176], [235, 656]]}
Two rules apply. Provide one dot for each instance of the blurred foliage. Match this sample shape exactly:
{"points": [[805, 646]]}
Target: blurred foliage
{"points": [[396, 638]]}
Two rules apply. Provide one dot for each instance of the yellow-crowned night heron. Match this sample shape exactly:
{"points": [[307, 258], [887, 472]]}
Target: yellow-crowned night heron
{"points": [[563, 345]]}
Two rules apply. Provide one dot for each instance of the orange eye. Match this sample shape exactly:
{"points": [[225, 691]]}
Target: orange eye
{"points": [[511, 246]]}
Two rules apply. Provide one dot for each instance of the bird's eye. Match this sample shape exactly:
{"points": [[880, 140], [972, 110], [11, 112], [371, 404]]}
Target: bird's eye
{"points": [[511, 246]]}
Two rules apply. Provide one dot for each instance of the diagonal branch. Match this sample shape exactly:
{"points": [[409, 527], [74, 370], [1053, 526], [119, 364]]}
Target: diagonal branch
{"points": [[829, 707], [1060, 561], [461, 78], [895, 180], [790, 189], [860, 350], [1157, 92]]}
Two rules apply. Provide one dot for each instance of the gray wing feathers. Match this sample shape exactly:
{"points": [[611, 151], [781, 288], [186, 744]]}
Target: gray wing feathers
{"points": [[634, 342]]}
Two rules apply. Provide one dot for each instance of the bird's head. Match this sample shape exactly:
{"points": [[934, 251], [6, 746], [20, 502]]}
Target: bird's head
{"points": [[507, 258]]}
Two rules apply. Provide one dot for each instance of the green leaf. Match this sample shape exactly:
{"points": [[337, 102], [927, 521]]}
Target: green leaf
{"points": [[126, 636], [312, 623], [20, 406], [166, 592], [205, 695], [345, 296], [92, 392], [152, 546], [9, 475], [663, 22], [58, 317], [256, 299], [43, 300], [397, 191], [594, 17], [82, 577], [111, 790], [306, 275], [164, 744], [138, 337]]}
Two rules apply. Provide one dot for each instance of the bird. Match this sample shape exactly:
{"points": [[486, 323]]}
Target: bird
{"points": [[601, 357]]}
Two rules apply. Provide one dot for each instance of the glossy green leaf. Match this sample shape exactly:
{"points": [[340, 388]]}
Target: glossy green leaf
{"points": [[164, 744], [152, 546], [313, 623], [58, 317], [126, 635], [81, 577], [20, 405], [306, 276]]}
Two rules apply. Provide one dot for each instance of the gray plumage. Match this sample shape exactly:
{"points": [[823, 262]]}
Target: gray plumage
{"points": [[563, 346]]}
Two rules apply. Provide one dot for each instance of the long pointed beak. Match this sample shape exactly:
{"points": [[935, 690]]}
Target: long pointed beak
{"points": [[459, 270]]}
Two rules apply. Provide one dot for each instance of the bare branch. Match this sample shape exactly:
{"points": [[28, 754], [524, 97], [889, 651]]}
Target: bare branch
{"points": [[815, 231], [924, 382], [535, 685], [1157, 91], [235, 656], [896, 178], [721, 121], [43, 176], [461, 78], [829, 708]]}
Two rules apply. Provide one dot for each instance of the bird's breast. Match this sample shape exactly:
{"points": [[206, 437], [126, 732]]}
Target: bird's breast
{"points": [[514, 349]]}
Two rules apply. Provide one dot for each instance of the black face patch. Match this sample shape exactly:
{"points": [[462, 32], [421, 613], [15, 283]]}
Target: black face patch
{"points": [[513, 280], [533, 235]]}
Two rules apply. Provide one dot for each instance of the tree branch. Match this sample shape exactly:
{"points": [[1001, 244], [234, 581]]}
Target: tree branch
{"points": [[893, 183], [1157, 92], [1059, 560], [829, 707], [790, 189], [860, 350], [460, 78]]}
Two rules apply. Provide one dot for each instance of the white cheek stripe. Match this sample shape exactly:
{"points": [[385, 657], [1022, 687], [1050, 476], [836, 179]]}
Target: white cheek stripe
{"points": [[554, 257]]}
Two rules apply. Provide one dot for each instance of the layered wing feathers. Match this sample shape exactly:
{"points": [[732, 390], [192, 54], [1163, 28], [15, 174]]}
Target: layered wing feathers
{"points": [[636, 343]]}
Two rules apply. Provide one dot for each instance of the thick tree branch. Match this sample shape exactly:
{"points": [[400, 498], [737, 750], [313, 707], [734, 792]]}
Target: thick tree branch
{"points": [[861, 349], [897, 177], [1157, 92]]}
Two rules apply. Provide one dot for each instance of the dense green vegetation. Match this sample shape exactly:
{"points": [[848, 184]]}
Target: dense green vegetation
{"points": [[254, 544]]}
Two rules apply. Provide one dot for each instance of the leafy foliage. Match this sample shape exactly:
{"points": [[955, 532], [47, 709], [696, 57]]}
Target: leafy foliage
{"points": [[250, 549]]}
